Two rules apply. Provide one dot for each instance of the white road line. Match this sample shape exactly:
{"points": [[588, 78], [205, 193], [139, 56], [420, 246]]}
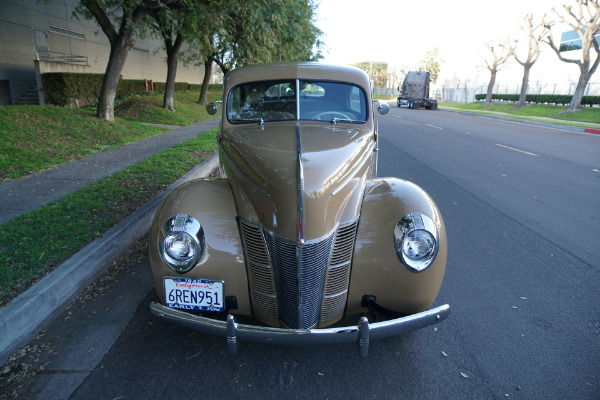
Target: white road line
{"points": [[433, 126], [520, 151]]}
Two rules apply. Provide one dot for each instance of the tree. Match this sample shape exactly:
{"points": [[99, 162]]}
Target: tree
{"points": [[119, 20], [396, 73], [432, 63], [584, 18], [535, 34], [378, 72], [173, 37], [260, 31], [176, 25], [500, 54]]}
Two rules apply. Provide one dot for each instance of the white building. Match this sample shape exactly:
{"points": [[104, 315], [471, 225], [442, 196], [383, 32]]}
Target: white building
{"points": [[32, 31]]}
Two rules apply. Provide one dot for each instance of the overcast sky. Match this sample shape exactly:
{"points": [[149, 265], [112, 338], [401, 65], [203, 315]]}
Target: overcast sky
{"points": [[401, 32]]}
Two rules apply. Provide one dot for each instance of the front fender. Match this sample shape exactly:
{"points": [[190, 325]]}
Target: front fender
{"points": [[211, 202], [376, 269]]}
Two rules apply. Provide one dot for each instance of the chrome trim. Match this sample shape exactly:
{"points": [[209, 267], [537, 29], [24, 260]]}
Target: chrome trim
{"points": [[299, 247], [300, 190], [415, 222], [362, 333], [363, 337], [189, 225], [263, 294], [297, 99], [333, 296], [376, 147], [233, 345], [328, 257]]}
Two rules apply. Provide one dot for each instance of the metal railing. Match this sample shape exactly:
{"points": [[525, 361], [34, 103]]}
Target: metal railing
{"points": [[58, 57], [460, 93]]}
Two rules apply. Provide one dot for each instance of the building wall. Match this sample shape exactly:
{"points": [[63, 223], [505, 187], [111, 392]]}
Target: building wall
{"points": [[66, 34]]}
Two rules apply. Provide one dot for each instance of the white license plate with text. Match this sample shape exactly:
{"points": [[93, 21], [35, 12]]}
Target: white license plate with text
{"points": [[194, 294]]}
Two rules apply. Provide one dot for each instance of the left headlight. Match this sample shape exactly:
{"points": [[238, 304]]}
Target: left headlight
{"points": [[181, 243], [416, 239]]}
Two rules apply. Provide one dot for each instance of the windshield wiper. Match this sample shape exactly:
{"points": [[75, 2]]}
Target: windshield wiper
{"points": [[350, 121]]}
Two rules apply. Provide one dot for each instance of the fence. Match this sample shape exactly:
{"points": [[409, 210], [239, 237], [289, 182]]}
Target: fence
{"points": [[463, 94]]}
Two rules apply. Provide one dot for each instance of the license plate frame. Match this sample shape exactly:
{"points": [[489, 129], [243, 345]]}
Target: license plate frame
{"points": [[194, 293]]}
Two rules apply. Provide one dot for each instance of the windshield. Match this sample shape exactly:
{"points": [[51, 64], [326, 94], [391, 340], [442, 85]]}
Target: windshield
{"points": [[285, 100]]}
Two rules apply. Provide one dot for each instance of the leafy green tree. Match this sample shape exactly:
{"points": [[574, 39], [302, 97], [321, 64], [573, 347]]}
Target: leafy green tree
{"points": [[378, 72], [258, 31], [175, 26], [119, 20], [432, 63]]}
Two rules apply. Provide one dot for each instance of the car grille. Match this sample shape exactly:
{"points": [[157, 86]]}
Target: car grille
{"points": [[299, 294]]}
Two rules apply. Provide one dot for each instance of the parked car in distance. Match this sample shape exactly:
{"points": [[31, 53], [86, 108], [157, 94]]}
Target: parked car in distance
{"points": [[299, 238]]}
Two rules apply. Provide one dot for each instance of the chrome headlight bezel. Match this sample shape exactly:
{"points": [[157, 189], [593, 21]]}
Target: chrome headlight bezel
{"points": [[416, 229], [188, 232]]}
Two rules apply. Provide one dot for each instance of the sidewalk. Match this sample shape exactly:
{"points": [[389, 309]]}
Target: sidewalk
{"points": [[26, 194], [23, 317]]}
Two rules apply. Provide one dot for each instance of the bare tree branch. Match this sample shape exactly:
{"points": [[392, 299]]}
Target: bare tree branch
{"points": [[585, 20]]}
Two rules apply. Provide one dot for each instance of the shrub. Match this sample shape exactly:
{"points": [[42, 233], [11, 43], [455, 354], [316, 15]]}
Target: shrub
{"points": [[67, 89], [562, 99]]}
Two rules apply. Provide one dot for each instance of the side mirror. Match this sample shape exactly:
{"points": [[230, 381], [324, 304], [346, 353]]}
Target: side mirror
{"points": [[383, 108], [211, 108]]}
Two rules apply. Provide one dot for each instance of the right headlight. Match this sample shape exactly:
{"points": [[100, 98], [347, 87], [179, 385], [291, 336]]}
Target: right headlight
{"points": [[416, 241], [182, 243]]}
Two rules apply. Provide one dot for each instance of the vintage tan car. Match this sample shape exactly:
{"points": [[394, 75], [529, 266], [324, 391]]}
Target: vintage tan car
{"points": [[299, 237]]}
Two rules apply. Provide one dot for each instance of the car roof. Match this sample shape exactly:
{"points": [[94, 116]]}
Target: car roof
{"points": [[300, 70]]}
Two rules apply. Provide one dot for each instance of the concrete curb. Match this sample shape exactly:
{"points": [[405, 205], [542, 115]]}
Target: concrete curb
{"points": [[592, 130], [24, 316]]}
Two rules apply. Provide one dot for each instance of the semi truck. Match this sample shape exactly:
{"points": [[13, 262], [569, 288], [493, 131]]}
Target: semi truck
{"points": [[415, 91]]}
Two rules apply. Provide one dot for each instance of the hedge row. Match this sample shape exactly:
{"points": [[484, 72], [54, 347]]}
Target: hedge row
{"points": [[64, 89], [562, 99]]}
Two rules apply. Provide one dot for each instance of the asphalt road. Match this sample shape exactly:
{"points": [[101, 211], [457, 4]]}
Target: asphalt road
{"points": [[522, 211]]}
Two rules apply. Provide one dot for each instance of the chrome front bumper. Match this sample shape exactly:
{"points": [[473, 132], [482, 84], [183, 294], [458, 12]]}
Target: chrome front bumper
{"points": [[361, 333]]}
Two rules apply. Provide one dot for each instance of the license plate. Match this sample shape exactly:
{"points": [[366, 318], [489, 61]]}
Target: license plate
{"points": [[194, 294]]}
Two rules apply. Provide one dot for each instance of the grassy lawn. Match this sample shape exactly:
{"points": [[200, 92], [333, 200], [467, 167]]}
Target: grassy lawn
{"points": [[149, 109], [585, 115], [34, 243], [35, 138]]}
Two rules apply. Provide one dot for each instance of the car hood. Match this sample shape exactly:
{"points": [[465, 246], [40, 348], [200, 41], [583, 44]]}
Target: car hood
{"points": [[261, 162]]}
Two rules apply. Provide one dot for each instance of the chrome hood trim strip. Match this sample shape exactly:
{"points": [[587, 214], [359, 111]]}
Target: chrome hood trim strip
{"points": [[300, 190]]}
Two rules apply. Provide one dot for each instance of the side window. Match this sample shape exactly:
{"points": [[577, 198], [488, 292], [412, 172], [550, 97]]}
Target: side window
{"points": [[355, 95]]}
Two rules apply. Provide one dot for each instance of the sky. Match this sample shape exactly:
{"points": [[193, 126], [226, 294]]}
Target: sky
{"points": [[401, 32]]}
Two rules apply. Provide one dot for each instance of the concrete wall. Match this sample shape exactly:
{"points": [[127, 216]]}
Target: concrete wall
{"points": [[65, 34]]}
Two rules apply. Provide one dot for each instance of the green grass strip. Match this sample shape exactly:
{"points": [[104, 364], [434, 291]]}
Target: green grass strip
{"points": [[36, 138], [541, 113], [33, 244]]}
